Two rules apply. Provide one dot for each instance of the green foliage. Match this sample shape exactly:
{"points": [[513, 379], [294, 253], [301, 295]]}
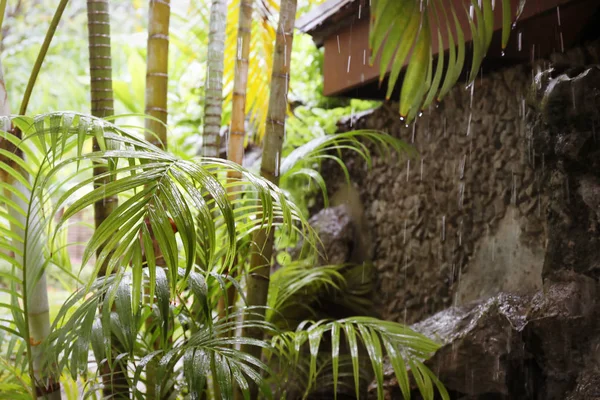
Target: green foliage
{"points": [[399, 27], [176, 233]]}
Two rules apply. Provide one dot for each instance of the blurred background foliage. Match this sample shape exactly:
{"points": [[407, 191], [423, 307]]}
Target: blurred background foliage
{"points": [[63, 83]]}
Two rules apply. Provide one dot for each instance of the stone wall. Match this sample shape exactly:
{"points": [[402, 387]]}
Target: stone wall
{"points": [[466, 219]]}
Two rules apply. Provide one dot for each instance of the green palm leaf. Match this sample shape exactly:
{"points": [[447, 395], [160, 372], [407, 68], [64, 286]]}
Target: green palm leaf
{"points": [[378, 338], [403, 27]]}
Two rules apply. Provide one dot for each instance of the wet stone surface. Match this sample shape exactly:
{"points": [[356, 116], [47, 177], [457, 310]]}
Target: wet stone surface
{"points": [[527, 169], [517, 347]]}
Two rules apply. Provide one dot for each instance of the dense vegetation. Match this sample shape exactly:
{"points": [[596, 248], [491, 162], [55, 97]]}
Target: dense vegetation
{"points": [[176, 294]]}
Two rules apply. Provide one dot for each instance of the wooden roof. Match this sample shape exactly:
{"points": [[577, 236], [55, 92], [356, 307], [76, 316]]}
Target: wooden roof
{"points": [[328, 17], [342, 28]]}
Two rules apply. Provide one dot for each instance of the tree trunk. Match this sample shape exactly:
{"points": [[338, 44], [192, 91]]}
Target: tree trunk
{"points": [[114, 380], [213, 97], [44, 384], [157, 77], [235, 147], [260, 265]]}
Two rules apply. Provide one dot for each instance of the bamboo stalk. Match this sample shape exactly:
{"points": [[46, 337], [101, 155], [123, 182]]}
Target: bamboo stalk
{"points": [[235, 146], [101, 92], [114, 376], [260, 263], [213, 97], [157, 73], [157, 80]]}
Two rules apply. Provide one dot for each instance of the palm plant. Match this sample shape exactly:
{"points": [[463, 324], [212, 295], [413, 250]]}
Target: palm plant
{"points": [[178, 229], [397, 27], [155, 185]]}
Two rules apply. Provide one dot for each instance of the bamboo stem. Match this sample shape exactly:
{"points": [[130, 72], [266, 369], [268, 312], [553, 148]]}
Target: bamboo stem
{"points": [[235, 146], [157, 73], [114, 375], [260, 263], [157, 80], [213, 98]]}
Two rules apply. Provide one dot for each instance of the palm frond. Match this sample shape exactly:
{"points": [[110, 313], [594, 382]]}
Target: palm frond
{"points": [[300, 168], [403, 33], [378, 338]]}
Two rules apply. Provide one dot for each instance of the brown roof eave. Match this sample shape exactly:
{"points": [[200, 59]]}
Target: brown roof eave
{"points": [[331, 16]]}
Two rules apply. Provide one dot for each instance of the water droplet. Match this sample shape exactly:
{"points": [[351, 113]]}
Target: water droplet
{"points": [[420, 114], [503, 53]]}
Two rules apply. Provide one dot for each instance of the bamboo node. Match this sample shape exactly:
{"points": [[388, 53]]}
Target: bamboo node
{"points": [[163, 2], [160, 36], [275, 121]]}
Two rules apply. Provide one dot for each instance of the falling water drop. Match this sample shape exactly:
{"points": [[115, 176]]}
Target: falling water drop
{"points": [[407, 170], [349, 59], [422, 159], [520, 41], [502, 53], [443, 228]]}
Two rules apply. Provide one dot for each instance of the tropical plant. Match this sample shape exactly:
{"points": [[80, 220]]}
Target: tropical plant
{"points": [[168, 246], [401, 26]]}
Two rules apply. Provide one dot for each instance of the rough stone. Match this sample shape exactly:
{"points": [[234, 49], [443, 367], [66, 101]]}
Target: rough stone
{"points": [[336, 231], [543, 346]]}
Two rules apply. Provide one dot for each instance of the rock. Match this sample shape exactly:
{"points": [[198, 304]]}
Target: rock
{"points": [[560, 322], [518, 347], [336, 230], [588, 386], [570, 99], [589, 189], [480, 343]]}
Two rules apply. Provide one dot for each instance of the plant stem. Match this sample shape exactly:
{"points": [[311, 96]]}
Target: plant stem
{"points": [[32, 261], [213, 97], [235, 146], [157, 77], [157, 80], [260, 266], [114, 375], [42, 55]]}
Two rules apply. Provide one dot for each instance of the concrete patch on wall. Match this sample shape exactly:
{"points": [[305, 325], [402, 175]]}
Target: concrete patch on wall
{"points": [[501, 263]]}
